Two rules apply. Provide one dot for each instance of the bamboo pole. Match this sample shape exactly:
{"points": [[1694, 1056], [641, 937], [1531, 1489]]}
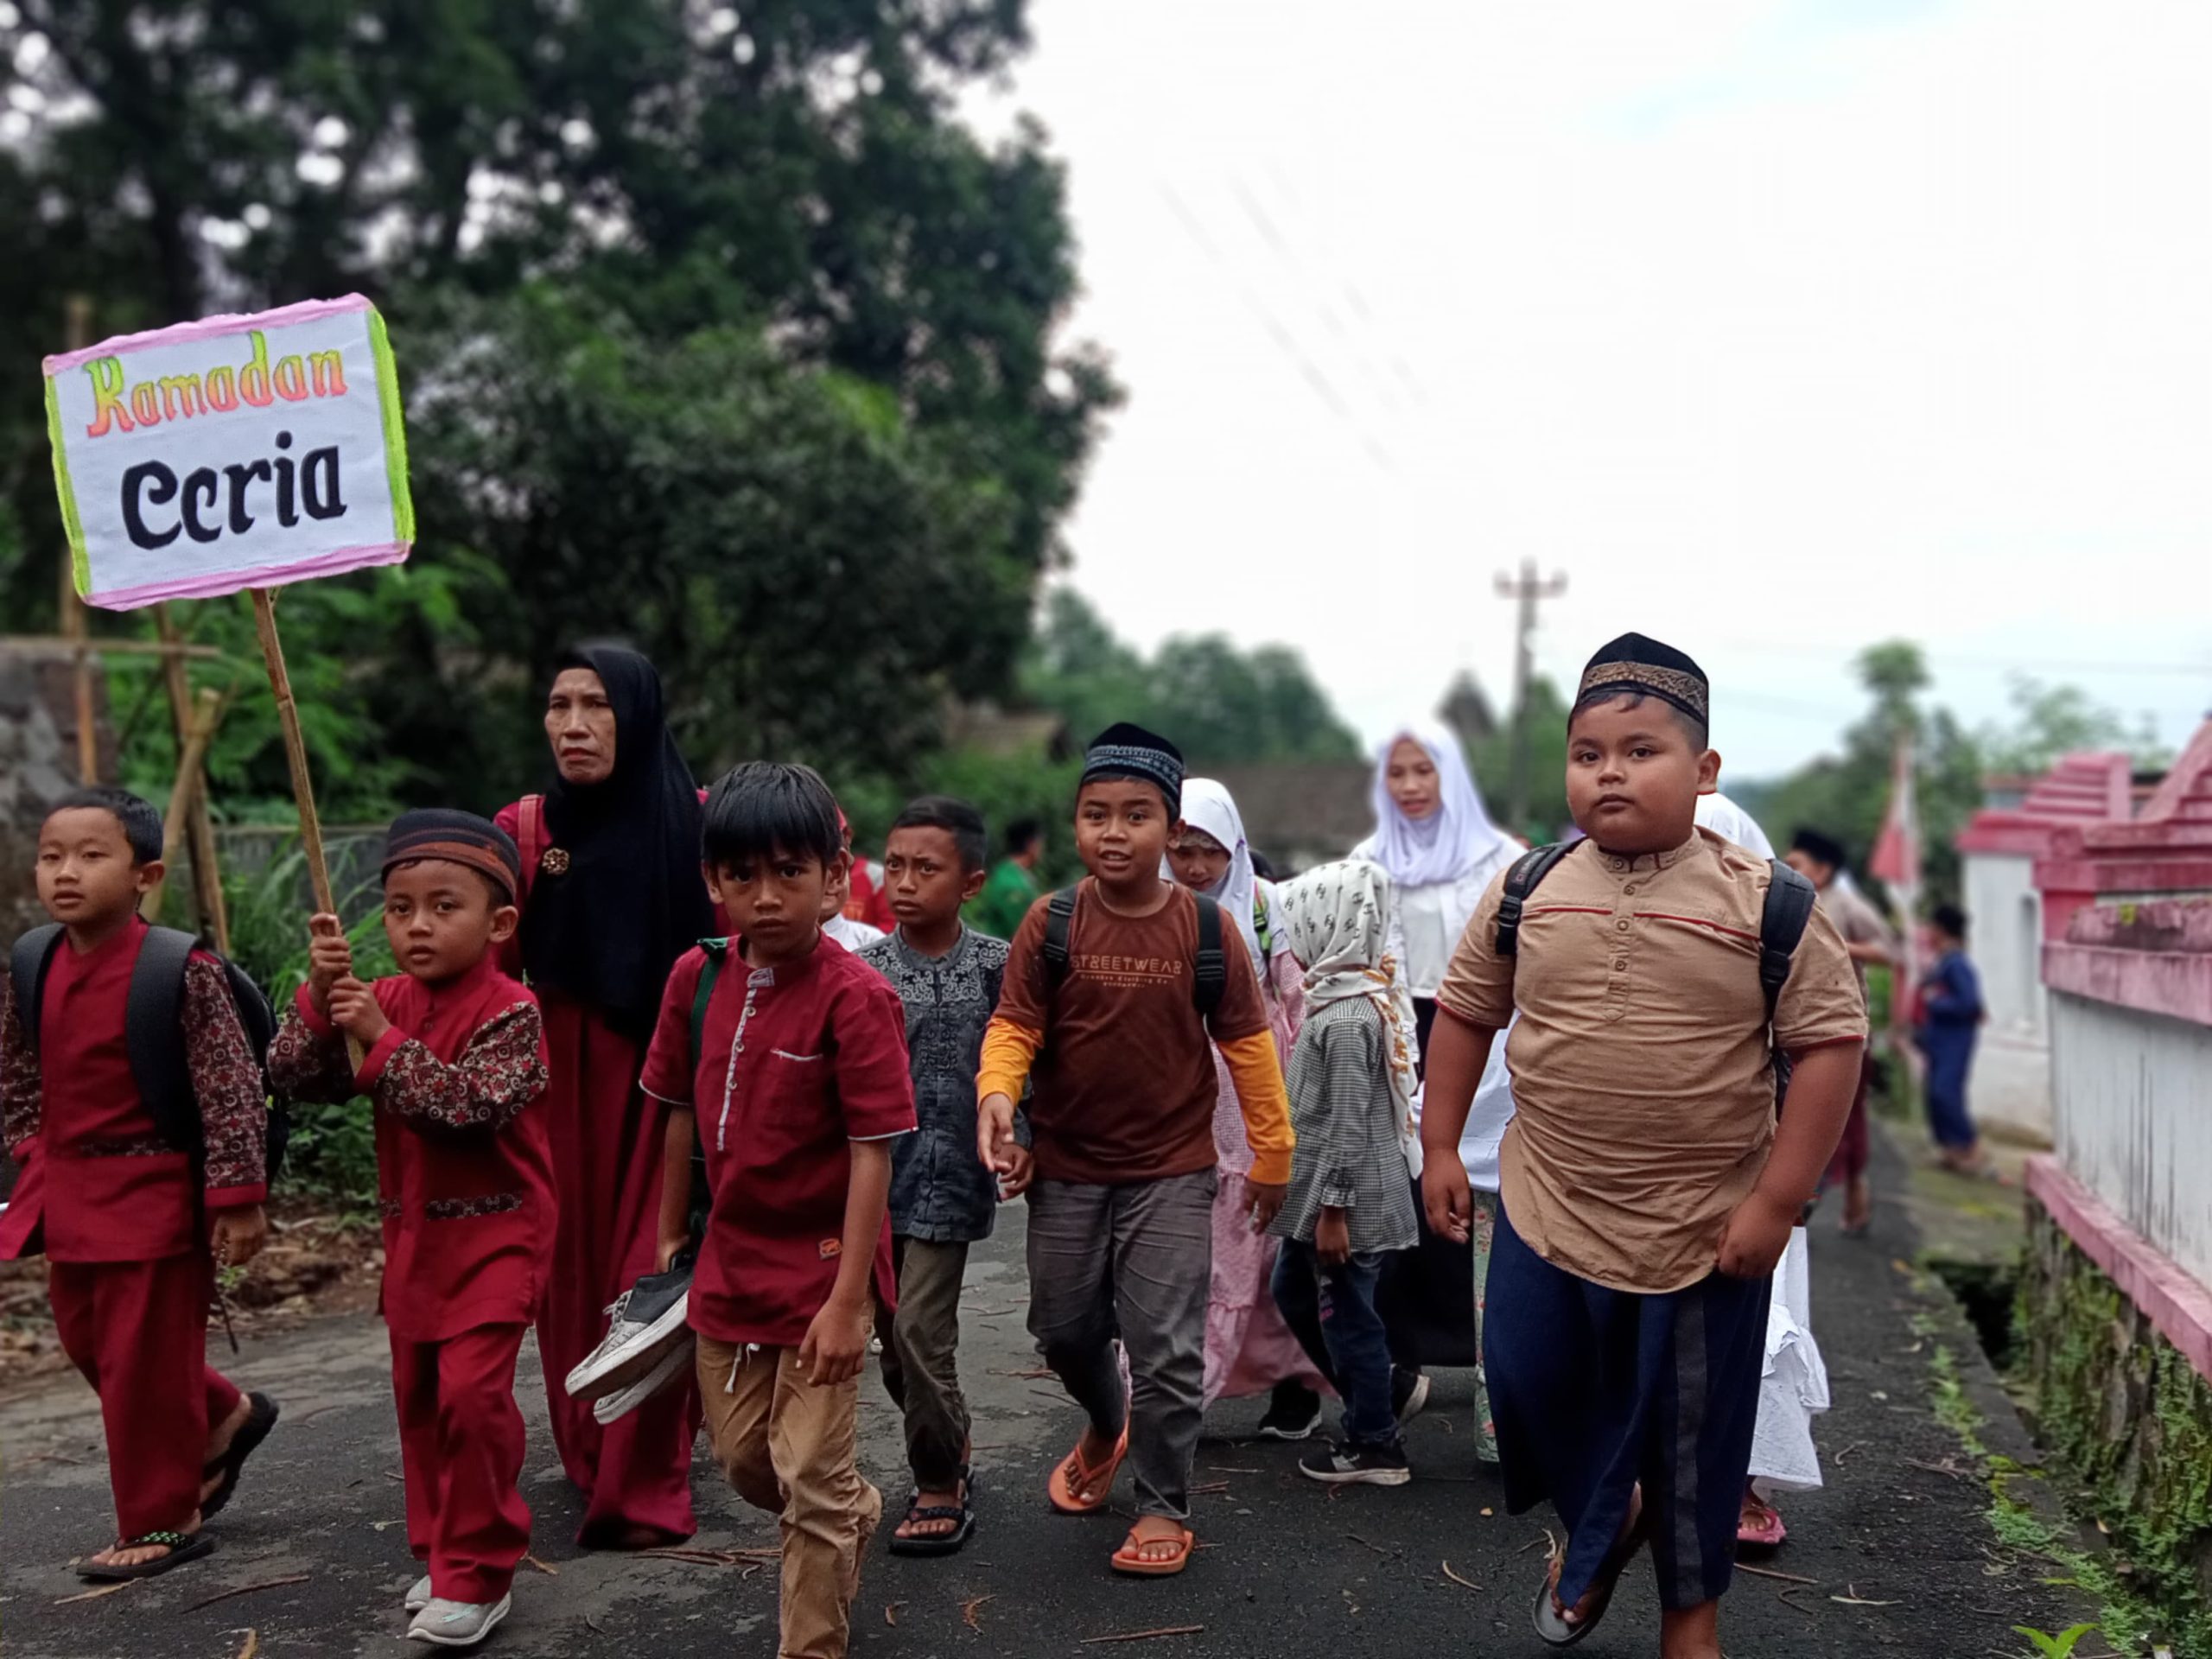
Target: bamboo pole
{"points": [[295, 753], [186, 793], [200, 822], [69, 613]]}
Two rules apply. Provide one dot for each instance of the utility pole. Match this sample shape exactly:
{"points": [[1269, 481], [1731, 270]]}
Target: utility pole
{"points": [[1526, 590]]}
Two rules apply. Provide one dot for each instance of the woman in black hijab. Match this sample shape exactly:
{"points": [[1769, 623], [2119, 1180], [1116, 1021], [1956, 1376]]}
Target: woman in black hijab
{"points": [[612, 896]]}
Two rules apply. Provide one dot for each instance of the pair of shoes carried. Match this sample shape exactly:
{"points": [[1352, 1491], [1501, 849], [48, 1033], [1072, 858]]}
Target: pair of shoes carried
{"points": [[1343, 1464], [1293, 1413], [446, 1623], [182, 1546], [676, 1362], [1408, 1394], [260, 1418], [644, 1325]]}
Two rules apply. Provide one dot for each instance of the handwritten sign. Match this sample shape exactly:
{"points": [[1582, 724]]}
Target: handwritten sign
{"points": [[232, 453]]}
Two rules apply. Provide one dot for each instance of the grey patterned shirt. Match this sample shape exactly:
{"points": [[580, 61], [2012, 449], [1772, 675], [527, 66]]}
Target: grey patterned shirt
{"points": [[939, 1189], [1347, 1120]]}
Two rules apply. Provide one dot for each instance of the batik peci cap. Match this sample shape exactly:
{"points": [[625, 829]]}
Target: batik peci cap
{"points": [[1125, 750], [457, 838], [1633, 662]]}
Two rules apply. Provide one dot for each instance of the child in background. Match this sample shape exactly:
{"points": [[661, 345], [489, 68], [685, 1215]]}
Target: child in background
{"points": [[1352, 1090], [453, 1055], [1648, 1192], [843, 920], [1950, 1013], [1248, 1349], [941, 1198], [797, 1091], [1121, 1213], [133, 1226]]}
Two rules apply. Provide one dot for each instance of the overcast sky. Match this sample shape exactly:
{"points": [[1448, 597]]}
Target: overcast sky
{"points": [[1780, 326]]}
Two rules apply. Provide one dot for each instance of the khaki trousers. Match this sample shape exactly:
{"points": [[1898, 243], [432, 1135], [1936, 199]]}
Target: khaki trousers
{"points": [[790, 1448]]}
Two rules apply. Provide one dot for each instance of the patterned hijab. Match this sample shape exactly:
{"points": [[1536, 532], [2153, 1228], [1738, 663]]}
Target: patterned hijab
{"points": [[1335, 921], [1451, 843]]}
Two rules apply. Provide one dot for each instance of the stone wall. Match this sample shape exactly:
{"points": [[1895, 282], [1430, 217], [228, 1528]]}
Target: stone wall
{"points": [[38, 764], [2128, 1414]]}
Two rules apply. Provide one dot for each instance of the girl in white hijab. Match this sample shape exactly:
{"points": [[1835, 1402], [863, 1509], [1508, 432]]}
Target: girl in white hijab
{"points": [[1249, 1347], [1438, 846]]}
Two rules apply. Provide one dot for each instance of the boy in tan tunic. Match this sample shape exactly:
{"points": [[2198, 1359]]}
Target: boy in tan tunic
{"points": [[1647, 1191]]}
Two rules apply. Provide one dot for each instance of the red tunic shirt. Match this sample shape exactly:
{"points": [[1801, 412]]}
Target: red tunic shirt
{"points": [[96, 1170], [798, 1062], [464, 1173]]}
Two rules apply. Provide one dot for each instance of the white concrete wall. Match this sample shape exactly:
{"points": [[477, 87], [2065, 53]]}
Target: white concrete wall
{"points": [[2012, 1074], [2132, 1100]]}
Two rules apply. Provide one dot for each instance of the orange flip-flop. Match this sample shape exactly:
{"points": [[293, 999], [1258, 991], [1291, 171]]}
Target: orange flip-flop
{"points": [[1072, 1477], [1127, 1560]]}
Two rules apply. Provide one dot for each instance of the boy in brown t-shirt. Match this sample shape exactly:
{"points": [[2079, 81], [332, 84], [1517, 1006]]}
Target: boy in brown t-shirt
{"points": [[1121, 1128], [1647, 1191]]}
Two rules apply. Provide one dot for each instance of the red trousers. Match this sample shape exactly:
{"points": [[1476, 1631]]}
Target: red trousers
{"points": [[1855, 1151], [606, 1135], [138, 1332], [461, 1448]]}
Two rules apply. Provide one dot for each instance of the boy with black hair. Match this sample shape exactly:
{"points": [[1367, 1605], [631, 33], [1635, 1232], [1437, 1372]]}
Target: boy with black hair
{"points": [[1950, 1019], [941, 1198], [1012, 885], [132, 1224], [1647, 1191], [1819, 860], [1103, 1002], [797, 1088], [452, 1057]]}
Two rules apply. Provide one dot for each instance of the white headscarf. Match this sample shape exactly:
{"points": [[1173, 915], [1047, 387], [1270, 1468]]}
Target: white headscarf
{"points": [[1334, 919], [1729, 822], [1208, 807], [1450, 842]]}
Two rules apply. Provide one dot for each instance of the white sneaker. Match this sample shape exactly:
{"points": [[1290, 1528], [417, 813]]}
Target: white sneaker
{"points": [[674, 1363], [645, 1322], [418, 1596], [458, 1623]]}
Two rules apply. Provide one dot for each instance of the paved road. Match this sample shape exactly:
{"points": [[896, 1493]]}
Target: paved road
{"points": [[1289, 1569]]}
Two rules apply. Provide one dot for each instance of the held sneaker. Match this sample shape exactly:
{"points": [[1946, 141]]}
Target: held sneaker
{"points": [[418, 1596], [646, 1321], [458, 1623], [676, 1362], [1345, 1464]]}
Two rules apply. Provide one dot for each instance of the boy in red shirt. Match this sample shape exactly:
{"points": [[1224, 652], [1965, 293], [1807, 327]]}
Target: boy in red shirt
{"points": [[798, 1089], [453, 1052], [132, 1225]]}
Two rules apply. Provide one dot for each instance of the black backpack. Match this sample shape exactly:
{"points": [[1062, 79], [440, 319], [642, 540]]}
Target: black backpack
{"points": [[1789, 899], [1208, 969], [154, 1030]]}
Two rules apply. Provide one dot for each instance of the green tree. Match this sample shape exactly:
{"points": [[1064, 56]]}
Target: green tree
{"points": [[2051, 721], [1491, 760]]}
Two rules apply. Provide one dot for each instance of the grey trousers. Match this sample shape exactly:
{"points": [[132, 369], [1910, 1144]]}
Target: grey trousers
{"points": [[1134, 1261], [921, 1344]]}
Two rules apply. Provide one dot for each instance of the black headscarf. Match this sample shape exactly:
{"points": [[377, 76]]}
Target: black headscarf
{"points": [[607, 929]]}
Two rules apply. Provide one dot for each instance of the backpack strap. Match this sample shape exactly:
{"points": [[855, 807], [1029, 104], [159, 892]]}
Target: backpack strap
{"points": [[530, 838], [718, 952], [27, 966], [153, 1031], [1521, 880], [1059, 923], [1790, 898], [702, 1198], [1210, 968]]}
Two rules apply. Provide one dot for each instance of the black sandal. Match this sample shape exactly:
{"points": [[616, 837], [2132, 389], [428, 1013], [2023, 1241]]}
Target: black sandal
{"points": [[1551, 1623], [260, 1418], [182, 1546], [941, 1543]]}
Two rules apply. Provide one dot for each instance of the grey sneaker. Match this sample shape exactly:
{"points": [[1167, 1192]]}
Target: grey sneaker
{"points": [[646, 1321], [458, 1623], [418, 1596], [673, 1364]]}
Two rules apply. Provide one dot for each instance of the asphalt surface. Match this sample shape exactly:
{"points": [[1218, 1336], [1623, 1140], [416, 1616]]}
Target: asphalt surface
{"points": [[1895, 1556]]}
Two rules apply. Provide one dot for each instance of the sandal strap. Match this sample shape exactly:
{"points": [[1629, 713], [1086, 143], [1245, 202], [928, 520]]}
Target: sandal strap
{"points": [[167, 1540], [935, 1512]]}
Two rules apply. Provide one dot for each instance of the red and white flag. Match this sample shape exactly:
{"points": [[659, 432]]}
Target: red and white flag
{"points": [[1896, 863]]}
